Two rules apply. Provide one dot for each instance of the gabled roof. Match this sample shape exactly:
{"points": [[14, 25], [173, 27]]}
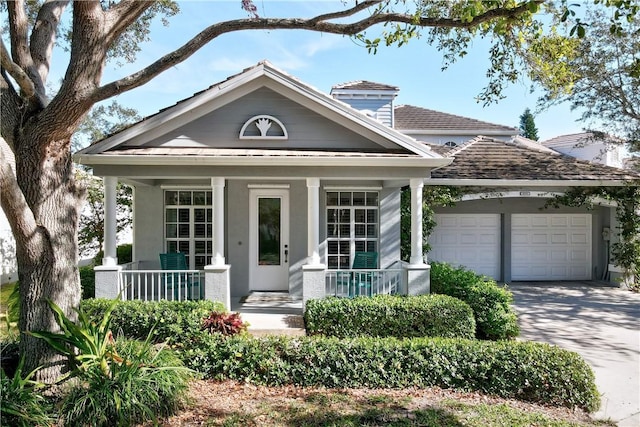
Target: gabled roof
{"points": [[262, 74], [411, 119], [365, 85], [485, 159]]}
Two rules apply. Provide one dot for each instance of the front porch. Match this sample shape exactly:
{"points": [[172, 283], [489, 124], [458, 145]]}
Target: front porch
{"points": [[239, 236], [132, 283]]}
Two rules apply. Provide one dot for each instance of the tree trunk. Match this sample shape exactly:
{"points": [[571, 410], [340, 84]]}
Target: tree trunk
{"points": [[47, 260]]}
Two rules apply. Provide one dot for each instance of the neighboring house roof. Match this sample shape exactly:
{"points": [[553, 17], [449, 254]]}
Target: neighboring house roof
{"points": [[233, 88], [570, 140], [365, 85], [484, 159], [411, 119]]}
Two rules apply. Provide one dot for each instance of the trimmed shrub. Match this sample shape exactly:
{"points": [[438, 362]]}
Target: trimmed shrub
{"points": [[491, 304], [164, 320], [87, 281], [124, 253], [526, 371], [390, 316]]}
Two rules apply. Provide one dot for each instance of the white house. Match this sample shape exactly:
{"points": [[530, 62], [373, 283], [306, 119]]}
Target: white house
{"points": [[265, 183], [586, 146]]}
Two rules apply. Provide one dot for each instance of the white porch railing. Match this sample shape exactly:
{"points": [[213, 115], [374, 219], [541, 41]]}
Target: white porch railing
{"points": [[155, 285], [350, 283]]}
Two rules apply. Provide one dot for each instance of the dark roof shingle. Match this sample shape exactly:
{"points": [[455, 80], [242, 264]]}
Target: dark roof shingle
{"points": [[488, 158], [364, 85], [409, 117]]}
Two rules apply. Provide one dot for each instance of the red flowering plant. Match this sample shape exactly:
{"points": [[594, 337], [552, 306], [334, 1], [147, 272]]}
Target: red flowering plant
{"points": [[224, 323]]}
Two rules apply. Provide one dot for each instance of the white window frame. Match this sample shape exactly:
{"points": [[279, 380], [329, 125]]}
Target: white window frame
{"points": [[191, 256], [352, 224]]}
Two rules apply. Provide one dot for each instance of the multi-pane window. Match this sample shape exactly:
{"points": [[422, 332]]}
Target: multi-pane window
{"points": [[188, 216], [352, 226]]}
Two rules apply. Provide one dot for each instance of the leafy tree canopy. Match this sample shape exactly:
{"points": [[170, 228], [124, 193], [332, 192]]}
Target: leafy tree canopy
{"points": [[602, 75]]}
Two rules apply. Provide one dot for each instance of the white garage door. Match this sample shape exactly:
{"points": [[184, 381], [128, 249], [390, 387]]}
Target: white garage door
{"points": [[551, 247], [468, 239]]}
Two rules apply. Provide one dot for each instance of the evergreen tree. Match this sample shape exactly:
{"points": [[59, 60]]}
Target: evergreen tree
{"points": [[528, 127]]}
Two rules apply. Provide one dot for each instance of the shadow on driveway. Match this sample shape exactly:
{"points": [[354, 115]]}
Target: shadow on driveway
{"points": [[601, 324]]}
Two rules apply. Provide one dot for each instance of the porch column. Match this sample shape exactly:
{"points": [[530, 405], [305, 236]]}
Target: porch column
{"points": [[217, 185], [313, 220], [417, 257], [110, 225]]}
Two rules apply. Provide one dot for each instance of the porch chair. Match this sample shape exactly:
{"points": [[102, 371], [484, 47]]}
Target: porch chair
{"points": [[178, 261], [359, 283]]}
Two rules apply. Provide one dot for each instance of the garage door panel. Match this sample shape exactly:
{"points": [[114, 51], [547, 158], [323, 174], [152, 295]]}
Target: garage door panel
{"points": [[469, 240], [559, 238], [539, 222], [539, 239], [561, 252], [579, 238], [580, 221]]}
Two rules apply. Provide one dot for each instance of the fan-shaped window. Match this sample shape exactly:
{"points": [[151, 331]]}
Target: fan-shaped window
{"points": [[450, 144], [263, 127]]}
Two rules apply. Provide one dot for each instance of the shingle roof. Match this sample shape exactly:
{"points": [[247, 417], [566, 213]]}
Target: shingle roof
{"points": [[574, 139], [488, 158], [364, 85], [409, 117]]}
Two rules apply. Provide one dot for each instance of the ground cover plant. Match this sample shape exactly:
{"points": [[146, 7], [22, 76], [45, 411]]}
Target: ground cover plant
{"points": [[491, 304], [113, 382], [390, 316], [23, 405]]}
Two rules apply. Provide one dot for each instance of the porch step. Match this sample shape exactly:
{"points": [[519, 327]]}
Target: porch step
{"points": [[261, 324], [269, 297]]}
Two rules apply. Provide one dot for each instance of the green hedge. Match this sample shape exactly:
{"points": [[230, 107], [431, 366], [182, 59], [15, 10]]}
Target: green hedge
{"points": [[390, 316], [491, 304], [87, 281], [170, 320], [521, 370], [124, 253]]}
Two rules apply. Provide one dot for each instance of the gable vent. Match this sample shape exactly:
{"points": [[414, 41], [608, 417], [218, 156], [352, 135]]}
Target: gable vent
{"points": [[263, 127]]}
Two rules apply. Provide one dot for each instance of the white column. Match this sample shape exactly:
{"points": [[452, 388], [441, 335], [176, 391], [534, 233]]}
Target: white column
{"points": [[110, 221], [217, 185], [313, 220], [417, 257]]}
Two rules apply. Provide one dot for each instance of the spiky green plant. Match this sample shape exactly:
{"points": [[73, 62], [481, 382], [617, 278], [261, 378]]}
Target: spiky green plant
{"points": [[147, 384], [84, 342], [22, 403]]}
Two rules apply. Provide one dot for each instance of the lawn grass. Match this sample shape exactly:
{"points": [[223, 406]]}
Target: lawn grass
{"points": [[230, 404], [5, 292]]}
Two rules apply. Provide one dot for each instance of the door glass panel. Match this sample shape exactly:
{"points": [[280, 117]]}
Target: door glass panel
{"points": [[269, 230]]}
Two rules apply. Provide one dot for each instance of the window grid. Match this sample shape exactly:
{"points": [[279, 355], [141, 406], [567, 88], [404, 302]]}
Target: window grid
{"points": [[352, 226], [188, 218]]}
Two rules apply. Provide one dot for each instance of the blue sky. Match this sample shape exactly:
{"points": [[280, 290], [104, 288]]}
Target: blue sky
{"points": [[323, 60]]}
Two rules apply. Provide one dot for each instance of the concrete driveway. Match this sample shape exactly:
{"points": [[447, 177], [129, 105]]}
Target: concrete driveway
{"points": [[601, 324]]}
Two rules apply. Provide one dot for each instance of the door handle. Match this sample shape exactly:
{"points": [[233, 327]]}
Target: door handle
{"points": [[286, 253]]}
